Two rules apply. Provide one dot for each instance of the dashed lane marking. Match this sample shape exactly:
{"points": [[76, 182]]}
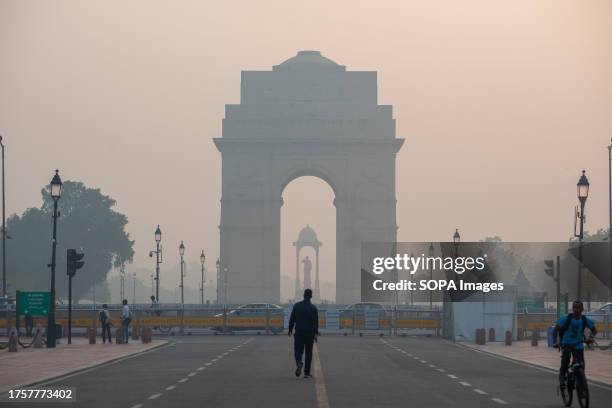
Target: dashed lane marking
{"points": [[154, 396], [170, 388], [454, 377], [465, 383], [481, 392], [499, 401]]}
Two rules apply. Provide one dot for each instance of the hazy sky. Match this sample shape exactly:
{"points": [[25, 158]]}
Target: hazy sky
{"points": [[501, 103]]}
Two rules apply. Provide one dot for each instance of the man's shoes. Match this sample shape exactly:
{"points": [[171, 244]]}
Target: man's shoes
{"points": [[298, 369], [307, 375]]}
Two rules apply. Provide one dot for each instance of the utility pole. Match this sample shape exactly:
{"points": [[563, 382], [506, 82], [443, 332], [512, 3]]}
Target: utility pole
{"points": [[610, 220], [3, 230]]}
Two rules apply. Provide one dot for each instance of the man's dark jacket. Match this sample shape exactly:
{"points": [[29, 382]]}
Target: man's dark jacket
{"points": [[305, 318]]}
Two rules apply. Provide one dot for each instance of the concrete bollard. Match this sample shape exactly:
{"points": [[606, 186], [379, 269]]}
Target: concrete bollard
{"points": [[38, 337], [508, 338], [535, 335], [13, 345], [119, 335], [91, 335], [481, 338], [491, 334], [146, 334], [477, 336], [134, 332]]}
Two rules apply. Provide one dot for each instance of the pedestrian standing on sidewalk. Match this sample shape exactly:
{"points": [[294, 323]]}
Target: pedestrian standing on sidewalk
{"points": [[105, 322], [126, 319], [29, 323], [305, 319]]}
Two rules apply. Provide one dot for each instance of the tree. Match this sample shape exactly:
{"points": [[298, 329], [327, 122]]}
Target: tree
{"points": [[87, 222]]}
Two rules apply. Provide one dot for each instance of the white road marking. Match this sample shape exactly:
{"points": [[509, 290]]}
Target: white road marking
{"points": [[423, 361], [214, 359], [191, 374], [170, 388], [432, 366], [454, 377], [201, 368], [481, 392], [208, 364], [182, 380], [152, 397], [499, 401], [441, 370], [466, 384], [138, 406]]}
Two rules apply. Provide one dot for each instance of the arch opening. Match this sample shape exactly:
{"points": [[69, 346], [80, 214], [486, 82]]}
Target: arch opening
{"points": [[308, 208]]}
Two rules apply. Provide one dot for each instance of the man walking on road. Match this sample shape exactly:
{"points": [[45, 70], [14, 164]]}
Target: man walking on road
{"points": [[305, 319]]}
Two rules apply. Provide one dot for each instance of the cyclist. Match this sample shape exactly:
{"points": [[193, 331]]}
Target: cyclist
{"points": [[570, 329]]}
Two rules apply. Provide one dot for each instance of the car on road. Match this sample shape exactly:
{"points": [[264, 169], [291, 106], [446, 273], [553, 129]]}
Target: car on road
{"points": [[360, 309], [253, 310]]}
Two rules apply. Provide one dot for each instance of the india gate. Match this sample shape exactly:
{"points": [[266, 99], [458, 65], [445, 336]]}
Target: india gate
{"points": [[308, 116]]}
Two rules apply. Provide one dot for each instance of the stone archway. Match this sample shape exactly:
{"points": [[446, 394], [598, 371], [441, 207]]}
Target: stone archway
{"points": [[306, 117]]}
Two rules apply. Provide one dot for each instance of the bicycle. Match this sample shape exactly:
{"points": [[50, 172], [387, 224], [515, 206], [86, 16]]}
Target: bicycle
{"points": [[575, 378]]}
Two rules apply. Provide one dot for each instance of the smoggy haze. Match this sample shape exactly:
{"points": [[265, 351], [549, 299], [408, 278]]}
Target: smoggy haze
{"points": [[501, 105]]}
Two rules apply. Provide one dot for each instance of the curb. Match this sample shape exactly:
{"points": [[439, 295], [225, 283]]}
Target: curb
{"points": [[540, 367], [53, 379]]}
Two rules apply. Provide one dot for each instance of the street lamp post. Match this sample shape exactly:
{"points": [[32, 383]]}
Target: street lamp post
{"points": [[134, 290], [431, 254], [202, 260], [56, 190], [583, 193], [225, 270], [158, 259], [181, 253], [456, 241], [122, 274], [217, 264]]}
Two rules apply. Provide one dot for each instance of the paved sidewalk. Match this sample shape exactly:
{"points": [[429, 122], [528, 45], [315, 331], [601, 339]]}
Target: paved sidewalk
{"points": [[598, 362], [32, 365]]}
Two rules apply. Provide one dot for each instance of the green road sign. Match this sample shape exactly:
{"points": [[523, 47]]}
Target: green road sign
{"points": [[37, 303], [530, 303]]}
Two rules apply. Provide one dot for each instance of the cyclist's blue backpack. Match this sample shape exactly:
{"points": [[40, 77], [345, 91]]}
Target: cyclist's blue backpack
{"points": [[567, 323]]}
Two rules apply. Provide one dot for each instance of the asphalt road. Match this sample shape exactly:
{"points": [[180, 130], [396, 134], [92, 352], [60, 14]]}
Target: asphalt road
{"points": [[257, 371]]}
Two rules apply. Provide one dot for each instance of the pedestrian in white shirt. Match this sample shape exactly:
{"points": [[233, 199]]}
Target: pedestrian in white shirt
{"points": [[126, 319]]}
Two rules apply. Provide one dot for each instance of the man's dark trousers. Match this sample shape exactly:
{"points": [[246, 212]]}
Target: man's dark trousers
{"points": [[301, 341]]}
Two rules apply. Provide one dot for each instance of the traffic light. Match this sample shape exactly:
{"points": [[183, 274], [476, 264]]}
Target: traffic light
{"points": [[73, 261], [550, 268]]}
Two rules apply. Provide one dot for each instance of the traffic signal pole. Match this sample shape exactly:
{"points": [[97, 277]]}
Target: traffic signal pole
{"points": [[558, 287], [69, 309], [73, 263]]}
